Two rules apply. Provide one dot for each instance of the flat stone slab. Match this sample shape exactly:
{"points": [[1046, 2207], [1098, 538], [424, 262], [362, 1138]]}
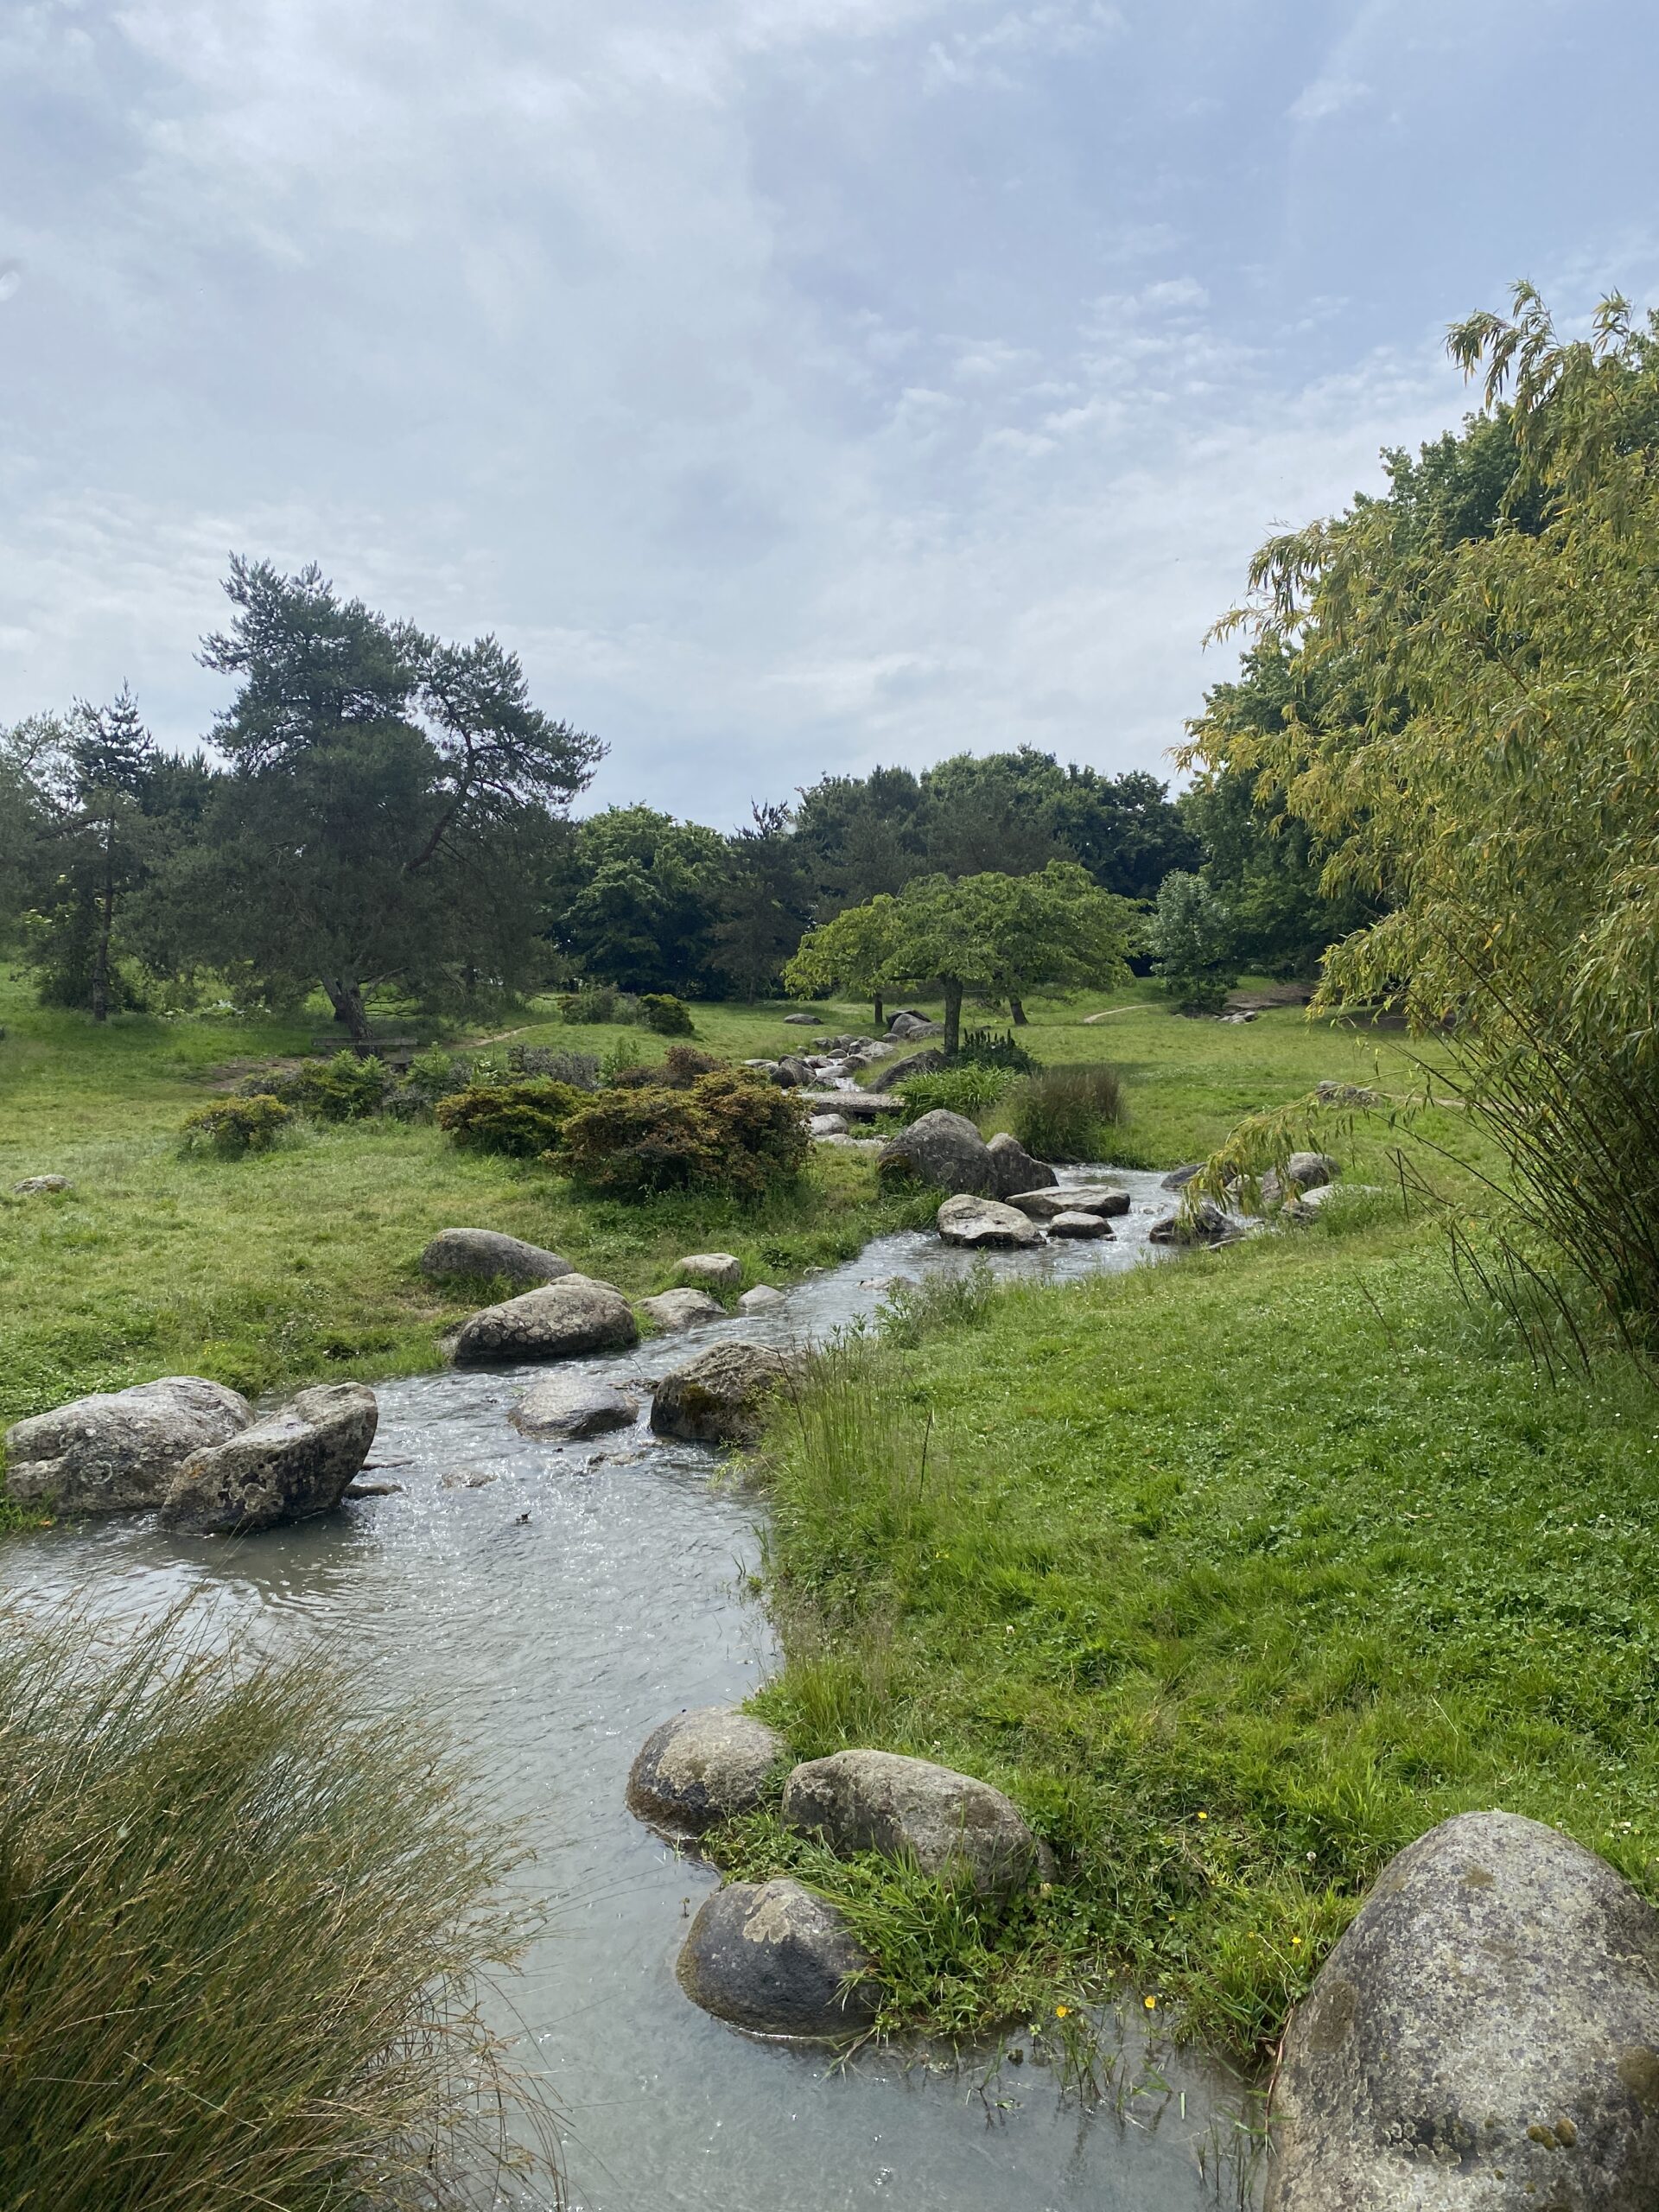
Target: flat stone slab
{"points": [[1103, 1198], [1083, 1226], [773, 1958], [565, 1320], [567, 1406], [851, 1105], [481, 1255], [984, 1224], [674, 1310], [701, 1768]]}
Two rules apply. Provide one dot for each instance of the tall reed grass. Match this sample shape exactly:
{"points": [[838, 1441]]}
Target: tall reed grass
{"points": [[240, 1939], [1068, 1113]]}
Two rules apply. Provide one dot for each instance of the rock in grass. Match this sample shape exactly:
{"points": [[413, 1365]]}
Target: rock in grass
{"points": [[980, 1224], [877, 1801], [755, 1301], [1304, 1207], [1082, 1226], [722, 1396], [712, 1270], [772, 1957], [924, 1063], [32, 1185], [1485, 2035], [704, 1767], [1015, 1169], [481, 1255], [674, 1310], [1311, 1170], [567, 1406], [942, 1148], [563, 1320], [802, 1021], [827, 1125], [292, 1466], [118, 1451], [1073, 1197]]}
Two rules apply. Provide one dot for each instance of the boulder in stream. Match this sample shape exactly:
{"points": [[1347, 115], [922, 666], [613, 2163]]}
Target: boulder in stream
{"points": [[563, 1320], [565, 1405], [721, 1396], [674, 1310], [291, 1466], [979, 1224], [1204, 1223], [482, 1255], [712, 1270], [118, 1451], [1015, 1169], [704, 1767], [1103, 1198], [1484, 2035], [878, 1801], [772, 1957], [942, 1148], [1084, 1227], [756, 1300]]}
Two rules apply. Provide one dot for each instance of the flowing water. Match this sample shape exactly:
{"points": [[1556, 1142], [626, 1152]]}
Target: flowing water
{"points": [[554, 1602]]}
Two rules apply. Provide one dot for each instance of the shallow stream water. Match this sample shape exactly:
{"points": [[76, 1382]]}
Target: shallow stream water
{"points": [[554, 1613]]}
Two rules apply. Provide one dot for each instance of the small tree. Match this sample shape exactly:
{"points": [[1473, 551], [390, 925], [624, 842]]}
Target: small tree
{"points": [[1188, 936], [850, 954]]}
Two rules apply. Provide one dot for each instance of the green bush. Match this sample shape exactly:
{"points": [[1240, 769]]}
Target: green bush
{"points": [[730, 1131], [994, 1048], [969, 1090], [524, 1119], [343, 1089], [238, 1933], [1068, 1113], [232, 1126], [667, 1015], [683, 1064], [579, 1070]]}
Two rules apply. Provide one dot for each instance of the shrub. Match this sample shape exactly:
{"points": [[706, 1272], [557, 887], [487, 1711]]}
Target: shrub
{"points": [[731, 1131], [232, 1126], [667, 1015], [683, 1064], [579, 1070], [994, 1048], [969, 1090], [594, 1002], [239, 1937], [522, 1119], [343, 1089], [1189, 935], [1067, 1112]]}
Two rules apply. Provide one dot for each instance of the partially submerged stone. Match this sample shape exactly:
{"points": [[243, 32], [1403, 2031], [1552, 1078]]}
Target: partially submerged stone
{"points": [[674, 1310], [1484, 2035], [773, 1958], [291, 1466], [1178, 1177], [563, 1320], [980, 1224], [756, 1300], [944, 1149], [568, 1406], [1084, 1227], [118, 1451], [949, 1822], [1103, 1198], [712, 1270], [482, 1255], [704, 1767], [723, 1395]]}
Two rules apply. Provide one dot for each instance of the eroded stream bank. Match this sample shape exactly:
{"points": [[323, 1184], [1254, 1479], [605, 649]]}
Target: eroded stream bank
{"points": [[554, 1603]]}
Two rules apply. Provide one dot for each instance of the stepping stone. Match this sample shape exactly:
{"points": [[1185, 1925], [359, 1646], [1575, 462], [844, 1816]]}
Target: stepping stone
{"points": [[1079, 1226], [674, 1310]]}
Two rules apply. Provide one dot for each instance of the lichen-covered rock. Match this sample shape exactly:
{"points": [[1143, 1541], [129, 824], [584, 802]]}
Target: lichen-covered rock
{"points": [[704, 1767], [118, 1451], [1084, 1227], [712, 1270], [675, 1310], [481, 1255], [562, 1320], [944, 1149], [722, 1396], [291, 1465], [565, 1405], [33, 1185], [772, 1957], [878, 1801], [1484, 2035], [1015, 1169], [981, 1224], [1103, 1198]]}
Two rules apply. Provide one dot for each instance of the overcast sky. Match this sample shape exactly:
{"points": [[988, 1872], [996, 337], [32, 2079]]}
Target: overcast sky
{"points": [[795, 384]]}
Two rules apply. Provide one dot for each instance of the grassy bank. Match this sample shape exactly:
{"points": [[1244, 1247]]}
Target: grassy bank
{"points": [[1238, 1575]]}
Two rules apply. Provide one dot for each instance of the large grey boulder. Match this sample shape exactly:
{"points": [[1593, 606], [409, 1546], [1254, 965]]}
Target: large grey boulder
{"points": [[674, 1310], [480, 1255], [1311, 1170], [792, 1072], [291, 1465], [1087, 1228], [827, 1125], [926, 1063], [802, 1021], [563, 1320], [704, 1767], [942, 1148], [756, 1300], [1015, 1168], [118, 1451], [712, 1270], [565, 1405], [721, 1396], [1103, 1198], [772, 1957], [980, 1224], [877, 1801], [1485, 2035]]}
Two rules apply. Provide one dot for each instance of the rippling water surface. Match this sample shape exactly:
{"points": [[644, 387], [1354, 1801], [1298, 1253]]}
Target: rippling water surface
{"points": [[554, 1612]]}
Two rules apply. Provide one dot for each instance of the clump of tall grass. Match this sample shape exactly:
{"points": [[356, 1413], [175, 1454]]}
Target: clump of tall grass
{"points": [[1068, 1113], [238, 1938]]}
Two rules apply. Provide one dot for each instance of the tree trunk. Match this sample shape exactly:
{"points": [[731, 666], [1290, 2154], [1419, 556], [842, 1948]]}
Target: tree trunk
{"points": [[952, 1019], [1017, 1010], [346, 1000], [105, 931], [879, 1016]]}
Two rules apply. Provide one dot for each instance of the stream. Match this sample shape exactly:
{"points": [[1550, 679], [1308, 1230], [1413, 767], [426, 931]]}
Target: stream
{"points": [[551, 1645]]}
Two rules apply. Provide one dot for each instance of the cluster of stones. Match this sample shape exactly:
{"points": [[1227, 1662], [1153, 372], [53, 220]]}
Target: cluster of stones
{"points": [[1306, 1184], [772, 1956]]}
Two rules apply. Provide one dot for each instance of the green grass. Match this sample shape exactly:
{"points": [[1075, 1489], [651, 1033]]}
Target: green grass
{"points": [[1238, 1575]]}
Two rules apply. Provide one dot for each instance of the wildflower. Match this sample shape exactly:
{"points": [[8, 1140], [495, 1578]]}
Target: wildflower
{"points": [[1061, 2012], [1296, 1941], [1150, 2004], [1203, 1817]]}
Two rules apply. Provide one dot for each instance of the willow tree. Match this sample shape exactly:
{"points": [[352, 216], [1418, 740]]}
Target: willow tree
{"points": [[1494, 779]]}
